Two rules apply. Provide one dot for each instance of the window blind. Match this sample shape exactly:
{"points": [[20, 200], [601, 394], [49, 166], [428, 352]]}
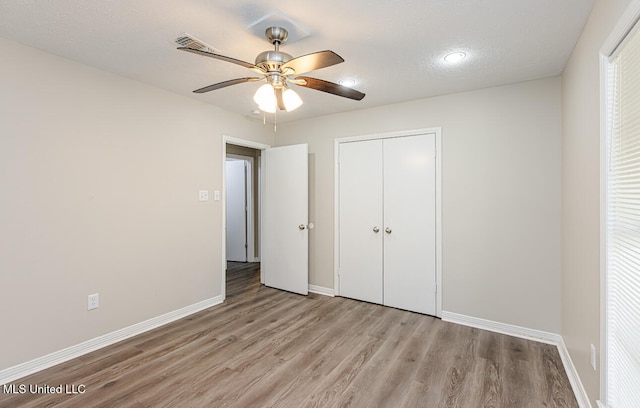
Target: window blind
{"points": [[623, 227]]}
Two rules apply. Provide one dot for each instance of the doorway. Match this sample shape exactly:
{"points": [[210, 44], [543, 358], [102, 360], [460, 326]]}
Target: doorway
{"points": [[281, 213], [241, 209], [242, 206]]}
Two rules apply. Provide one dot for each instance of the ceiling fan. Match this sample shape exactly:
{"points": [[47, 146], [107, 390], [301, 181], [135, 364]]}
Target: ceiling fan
{"points": [[279, 69]]}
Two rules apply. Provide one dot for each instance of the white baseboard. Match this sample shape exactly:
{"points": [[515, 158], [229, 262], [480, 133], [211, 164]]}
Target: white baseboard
{"points": [[503, 328], [21, 370], [528, 334], [574, 378], [321, 290]]}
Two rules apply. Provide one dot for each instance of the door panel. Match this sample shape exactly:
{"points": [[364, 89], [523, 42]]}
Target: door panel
{"points": [[360, 189], [409, 213], [236, 226], [285, 208]]}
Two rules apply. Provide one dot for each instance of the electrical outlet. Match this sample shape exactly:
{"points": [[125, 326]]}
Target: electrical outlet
{"points": [[203, 195], [593, 356], [93, 301]]}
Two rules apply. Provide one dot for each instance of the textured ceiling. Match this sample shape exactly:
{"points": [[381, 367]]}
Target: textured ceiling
{"points": [[393, 48]]}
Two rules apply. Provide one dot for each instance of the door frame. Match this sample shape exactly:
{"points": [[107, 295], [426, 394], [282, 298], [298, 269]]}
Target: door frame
{"points": [[253, 145], [437, 131]]}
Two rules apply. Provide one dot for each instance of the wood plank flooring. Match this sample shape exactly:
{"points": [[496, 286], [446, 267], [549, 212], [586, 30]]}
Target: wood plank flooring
{"points": [[268, 348]]}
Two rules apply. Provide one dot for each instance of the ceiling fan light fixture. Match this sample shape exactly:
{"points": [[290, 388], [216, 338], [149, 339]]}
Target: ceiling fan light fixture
{"points": [[265, 95], [291, 99]]}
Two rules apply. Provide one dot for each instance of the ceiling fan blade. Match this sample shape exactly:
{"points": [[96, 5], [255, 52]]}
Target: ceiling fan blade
{"points": [[279, 99], [311, 62], [226, 83], [330, 87], [223, 58]]}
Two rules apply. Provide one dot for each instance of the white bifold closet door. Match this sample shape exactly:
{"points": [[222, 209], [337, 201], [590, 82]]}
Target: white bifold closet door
{"points": [[361, 220], [387, 219], [410, 215]]}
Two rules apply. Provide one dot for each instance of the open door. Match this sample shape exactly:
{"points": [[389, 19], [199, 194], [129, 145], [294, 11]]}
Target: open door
{"points": [[285, 212]]}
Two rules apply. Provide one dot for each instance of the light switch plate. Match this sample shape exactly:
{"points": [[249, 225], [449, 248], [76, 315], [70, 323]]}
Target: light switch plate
{"points": [[203, 195]]}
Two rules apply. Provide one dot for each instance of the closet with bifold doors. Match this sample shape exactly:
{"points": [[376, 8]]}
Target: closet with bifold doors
{"points": [[387, 221]]}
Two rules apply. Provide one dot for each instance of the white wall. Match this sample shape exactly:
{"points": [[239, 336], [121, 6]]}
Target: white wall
{"points": [[501, 195], [99, 180], [581, 192]]}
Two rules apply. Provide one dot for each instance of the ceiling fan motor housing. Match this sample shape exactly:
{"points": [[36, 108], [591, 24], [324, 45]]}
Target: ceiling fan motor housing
{"points": [[272, 60]]}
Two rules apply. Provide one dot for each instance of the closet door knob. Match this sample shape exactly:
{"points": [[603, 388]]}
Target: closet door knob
{"points": [[376, 229], [302, 226], [387, 230]]}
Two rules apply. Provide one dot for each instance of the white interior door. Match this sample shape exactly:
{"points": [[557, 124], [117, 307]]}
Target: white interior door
{"points": [[360, 220], [285, 207], [410, 223], [236, 211]]}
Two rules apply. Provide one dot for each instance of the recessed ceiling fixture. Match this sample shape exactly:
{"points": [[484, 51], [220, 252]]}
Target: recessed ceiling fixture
{"points": [[455, 57], [278, 70]]}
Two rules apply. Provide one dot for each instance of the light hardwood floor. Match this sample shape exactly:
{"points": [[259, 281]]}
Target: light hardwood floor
{"points": [[268, 348]]}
